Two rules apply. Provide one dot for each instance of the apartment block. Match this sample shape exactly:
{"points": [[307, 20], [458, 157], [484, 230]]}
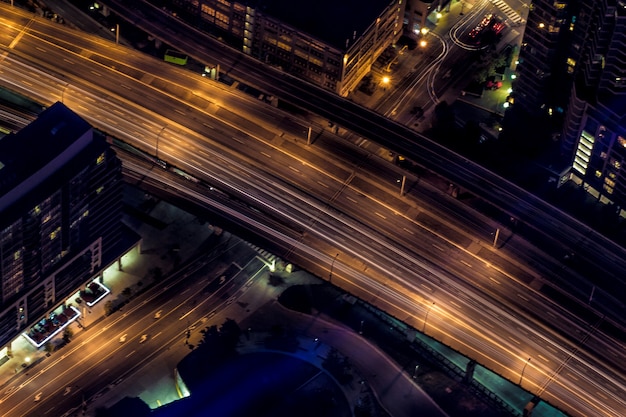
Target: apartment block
{"points": [[60, 215]]}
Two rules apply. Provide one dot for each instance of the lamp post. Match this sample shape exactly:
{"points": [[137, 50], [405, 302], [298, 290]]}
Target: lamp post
{"points": [[426, 316], [156, 147], [332, 264], [63, 93], [522, 374], [116, 29]]}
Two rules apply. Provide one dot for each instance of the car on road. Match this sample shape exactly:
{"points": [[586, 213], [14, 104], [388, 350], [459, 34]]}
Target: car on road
{"points": [[157, 315], [143, 338], [123, 338], [488, 30]]}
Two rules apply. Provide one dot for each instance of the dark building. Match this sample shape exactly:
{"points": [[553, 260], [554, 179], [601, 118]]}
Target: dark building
{"points": [[60, 214], [552, 43], [572, 71], [332, 44], [594, 132]]}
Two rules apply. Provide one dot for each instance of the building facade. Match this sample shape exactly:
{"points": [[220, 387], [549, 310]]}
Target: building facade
{"points": [[328, 43], [572, 65], [60, 214], [594, 132], [551, 46]]}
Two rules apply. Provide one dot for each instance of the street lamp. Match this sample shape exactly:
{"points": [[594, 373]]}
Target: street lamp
{"points": [[156, 147], [426, 316], [332, 264], [116, 29], [523, 369], [63, 93]]}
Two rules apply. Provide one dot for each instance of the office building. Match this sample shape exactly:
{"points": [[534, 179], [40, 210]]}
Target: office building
{"points": [[60, 215], [329, 43]]}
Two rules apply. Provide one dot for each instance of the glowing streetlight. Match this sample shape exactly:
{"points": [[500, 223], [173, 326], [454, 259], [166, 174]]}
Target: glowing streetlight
{"points": [[116, 29], [424, 31], [385, 80], [439, 15], [423, 43]]}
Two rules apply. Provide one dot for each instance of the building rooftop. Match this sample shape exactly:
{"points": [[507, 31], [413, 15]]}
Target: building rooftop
{"points": [[32, 155], [332, 21]]}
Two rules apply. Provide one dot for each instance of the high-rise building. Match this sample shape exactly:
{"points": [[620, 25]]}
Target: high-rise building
{"points": [[60, 214], [552, 43], [332, 44], [572, 67], [595, 124]]}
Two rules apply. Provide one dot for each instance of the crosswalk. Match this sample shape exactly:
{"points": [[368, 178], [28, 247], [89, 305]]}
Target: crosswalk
{"points": [[266, 257], [513, 16]]}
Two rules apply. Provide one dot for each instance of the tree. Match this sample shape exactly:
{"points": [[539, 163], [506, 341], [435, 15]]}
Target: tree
{"points": [[67, 335], [157, 273], [49, 347], [230, 332], [127, 292], [109, 308]]}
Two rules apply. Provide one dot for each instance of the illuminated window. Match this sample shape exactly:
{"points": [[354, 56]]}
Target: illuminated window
{"points": [[609, 182], [542, 25], [208, 10], [99, 189], [55, 233], [100, 159], [621, 141], [608, 189], [598, 173]]}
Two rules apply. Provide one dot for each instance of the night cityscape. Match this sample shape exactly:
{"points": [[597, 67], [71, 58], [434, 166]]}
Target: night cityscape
{"points": [[379, 208]]}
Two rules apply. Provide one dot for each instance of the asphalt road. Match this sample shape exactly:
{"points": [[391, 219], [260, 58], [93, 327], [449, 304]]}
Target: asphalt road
{"points": [[328, 200]]}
